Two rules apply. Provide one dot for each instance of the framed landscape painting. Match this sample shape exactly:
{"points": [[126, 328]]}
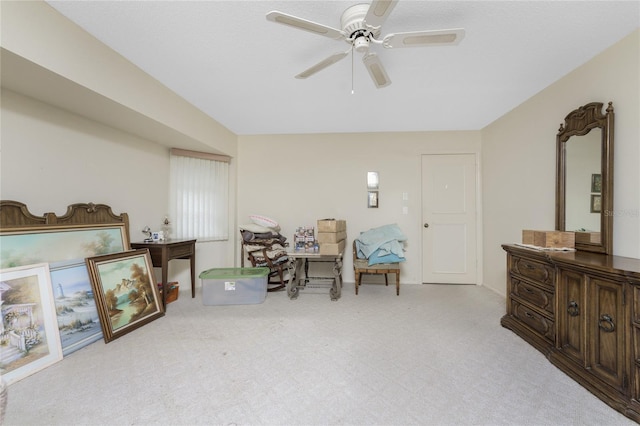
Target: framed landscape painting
{"points": [[60, 243], [125, 290], [65, 248], [29, 339]]}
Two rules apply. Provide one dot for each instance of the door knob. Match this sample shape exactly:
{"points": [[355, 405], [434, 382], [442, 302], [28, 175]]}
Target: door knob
{"points": [[426, 225]]}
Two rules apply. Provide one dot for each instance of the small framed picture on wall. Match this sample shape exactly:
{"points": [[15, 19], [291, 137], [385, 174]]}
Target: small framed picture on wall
{"points": [[373, 199], [596, 203], [596, 183]]}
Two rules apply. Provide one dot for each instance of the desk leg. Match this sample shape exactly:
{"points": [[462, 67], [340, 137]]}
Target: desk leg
{"points": [[292, 284], [192, 260], [165, 278], [336, 289]]}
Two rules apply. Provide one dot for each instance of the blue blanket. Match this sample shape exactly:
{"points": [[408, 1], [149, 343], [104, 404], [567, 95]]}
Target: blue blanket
{"points": [[381, 245]]}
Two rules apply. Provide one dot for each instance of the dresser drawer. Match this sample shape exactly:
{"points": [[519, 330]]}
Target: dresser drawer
{"points": [[539, 272], [536, 321], [534, 295]]}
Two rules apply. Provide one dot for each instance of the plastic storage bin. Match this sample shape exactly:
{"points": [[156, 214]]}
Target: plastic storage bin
{"points": [[234, 286]]}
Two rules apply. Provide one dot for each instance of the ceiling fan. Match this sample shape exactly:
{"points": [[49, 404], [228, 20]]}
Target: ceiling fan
{"points": [[360, 27]]}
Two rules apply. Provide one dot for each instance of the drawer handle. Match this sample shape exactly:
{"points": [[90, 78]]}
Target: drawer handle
{"points": [[527, 290], [528, 315], [606, 324], [529, 266], [573, 309]]}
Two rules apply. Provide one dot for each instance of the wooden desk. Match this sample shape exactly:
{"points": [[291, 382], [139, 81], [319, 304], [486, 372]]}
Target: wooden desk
{"points": [[163, 251], [300, 261]]}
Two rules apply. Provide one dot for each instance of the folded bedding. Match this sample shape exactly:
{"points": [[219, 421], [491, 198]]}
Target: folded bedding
{"points": [[376, 258], [381, 245]]}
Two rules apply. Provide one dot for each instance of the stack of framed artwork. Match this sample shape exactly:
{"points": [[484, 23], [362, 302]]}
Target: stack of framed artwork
{"points": [[68, 281]]}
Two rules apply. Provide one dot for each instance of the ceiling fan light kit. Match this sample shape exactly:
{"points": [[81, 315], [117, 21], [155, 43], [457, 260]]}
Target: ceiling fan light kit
{"points": [[361, 44], [360, 27]]}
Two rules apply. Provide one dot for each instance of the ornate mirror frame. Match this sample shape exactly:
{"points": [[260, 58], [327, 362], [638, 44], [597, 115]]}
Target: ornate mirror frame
{"points": [[579, 122]]}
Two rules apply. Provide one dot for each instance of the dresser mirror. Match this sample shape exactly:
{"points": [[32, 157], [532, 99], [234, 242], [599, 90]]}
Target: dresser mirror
{"points": [[584, 183]]}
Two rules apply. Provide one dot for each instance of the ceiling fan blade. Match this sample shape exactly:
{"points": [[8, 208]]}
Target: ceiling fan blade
{"points": [[323, 64], [376, 70], [424, 38], [303, 24], [378, 12]]}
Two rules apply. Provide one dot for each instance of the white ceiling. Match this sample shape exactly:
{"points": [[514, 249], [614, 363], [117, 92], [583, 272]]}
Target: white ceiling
{"points": [[226, 59]]}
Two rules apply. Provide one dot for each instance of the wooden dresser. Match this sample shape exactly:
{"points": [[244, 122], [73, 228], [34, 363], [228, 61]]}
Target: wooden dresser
{"points": [[582, 310]]}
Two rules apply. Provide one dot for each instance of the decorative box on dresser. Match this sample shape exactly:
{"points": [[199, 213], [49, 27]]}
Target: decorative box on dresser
{"points": [[582, 310]]}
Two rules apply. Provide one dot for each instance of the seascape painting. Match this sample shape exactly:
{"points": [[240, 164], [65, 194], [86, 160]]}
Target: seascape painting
{"points": [[76, 311], [29, 340]]}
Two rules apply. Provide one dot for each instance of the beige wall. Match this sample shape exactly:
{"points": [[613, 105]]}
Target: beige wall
{"points": [[518, 156], [51, 158], [298, 179]]}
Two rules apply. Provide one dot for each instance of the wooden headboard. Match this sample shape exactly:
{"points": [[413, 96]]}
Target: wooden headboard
{"points": [[14, 214]]}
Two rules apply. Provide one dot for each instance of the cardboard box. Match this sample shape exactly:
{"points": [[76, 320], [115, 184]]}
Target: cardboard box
{"points": [[549, 239], [588, 237], [173, 291], [332, 225], [331, 237], [333, 248], [234, 286]]}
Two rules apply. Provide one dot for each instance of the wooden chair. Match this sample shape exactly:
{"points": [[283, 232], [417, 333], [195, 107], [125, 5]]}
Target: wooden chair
{"points": [[361, 267], [271, 255], [278, 273]]}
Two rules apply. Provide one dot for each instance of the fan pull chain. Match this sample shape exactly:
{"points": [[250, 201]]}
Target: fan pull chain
{"points": [[352, 69]]}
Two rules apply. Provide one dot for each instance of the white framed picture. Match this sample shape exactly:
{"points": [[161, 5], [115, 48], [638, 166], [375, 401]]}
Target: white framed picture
{"points": [[29, 338]]}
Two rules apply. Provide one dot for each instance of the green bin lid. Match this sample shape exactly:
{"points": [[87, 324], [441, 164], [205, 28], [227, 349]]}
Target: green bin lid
{"points": [[226, 273]]}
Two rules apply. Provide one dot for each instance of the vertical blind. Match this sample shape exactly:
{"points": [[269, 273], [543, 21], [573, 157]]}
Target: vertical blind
{"points": [[199, 195]]}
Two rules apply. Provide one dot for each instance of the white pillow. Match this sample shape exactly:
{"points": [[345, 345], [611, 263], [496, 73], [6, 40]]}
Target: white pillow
{"points": [[256, 229], [264, 221]]}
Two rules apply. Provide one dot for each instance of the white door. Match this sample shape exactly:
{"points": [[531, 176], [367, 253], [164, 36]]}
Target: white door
{"points": [[449, 219]]}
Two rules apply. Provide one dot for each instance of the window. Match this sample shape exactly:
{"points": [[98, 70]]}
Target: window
{"points": [[199, 195]]}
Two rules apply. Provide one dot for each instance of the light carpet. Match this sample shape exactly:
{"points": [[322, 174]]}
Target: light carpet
{"points": [[435, 355]]}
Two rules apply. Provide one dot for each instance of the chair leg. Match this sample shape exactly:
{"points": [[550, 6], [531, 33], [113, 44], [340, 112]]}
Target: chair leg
{"points": [[397, 283], [357, 281], [386, 280], [277, 286]]}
